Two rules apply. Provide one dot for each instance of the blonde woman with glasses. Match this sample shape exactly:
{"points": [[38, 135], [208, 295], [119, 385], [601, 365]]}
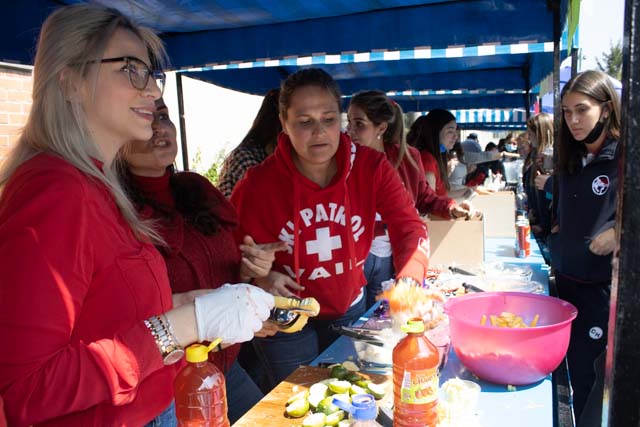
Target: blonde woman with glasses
{"points": [[86, 311]]}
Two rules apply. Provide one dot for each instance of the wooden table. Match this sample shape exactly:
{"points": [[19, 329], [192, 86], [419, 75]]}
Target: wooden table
{"points": [[270, 411]]}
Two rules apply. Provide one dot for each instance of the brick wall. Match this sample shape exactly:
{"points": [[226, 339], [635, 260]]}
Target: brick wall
{"points": [[15, 102]]}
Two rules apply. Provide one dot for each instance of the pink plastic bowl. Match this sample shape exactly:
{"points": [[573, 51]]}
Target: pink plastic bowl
{"points": [[515, 356]]}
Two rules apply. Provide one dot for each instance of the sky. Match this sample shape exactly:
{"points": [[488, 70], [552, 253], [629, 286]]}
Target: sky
{"points": [[601, 24], [217, 119]]}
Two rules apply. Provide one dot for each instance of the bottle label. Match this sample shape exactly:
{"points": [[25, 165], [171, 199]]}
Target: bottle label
{"points": [[419, 387]]}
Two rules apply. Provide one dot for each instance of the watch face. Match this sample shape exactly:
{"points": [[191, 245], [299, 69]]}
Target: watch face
{"points": [[174, 356]]}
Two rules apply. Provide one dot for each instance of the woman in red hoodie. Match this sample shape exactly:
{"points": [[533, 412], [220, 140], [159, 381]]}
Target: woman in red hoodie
{"points": [[196, 223], [377, 122], [320, 192]]}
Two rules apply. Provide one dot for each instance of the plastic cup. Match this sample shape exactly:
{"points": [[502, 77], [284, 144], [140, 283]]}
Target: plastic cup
{"points": [[458, 401]]}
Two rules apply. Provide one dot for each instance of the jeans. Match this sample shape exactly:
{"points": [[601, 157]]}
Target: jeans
{"points": [[242, 392], [167, 418], [377, 270], [283, 353]]}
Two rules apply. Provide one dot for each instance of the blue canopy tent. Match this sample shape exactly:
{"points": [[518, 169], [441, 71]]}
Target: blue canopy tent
{"points": [[206, 32], [482, 81], [491, 119], [467, 42], [455, 54]]}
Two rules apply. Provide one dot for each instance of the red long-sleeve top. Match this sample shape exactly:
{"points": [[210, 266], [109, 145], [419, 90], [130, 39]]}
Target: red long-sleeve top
{"points": [[430, 165], [75, 287], [425, 198]]}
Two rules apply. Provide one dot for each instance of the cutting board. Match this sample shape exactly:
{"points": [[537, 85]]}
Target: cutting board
{"points": [[270, 411]]}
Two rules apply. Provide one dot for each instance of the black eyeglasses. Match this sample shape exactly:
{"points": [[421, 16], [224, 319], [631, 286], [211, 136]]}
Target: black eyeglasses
{"points": [[138, 72]]}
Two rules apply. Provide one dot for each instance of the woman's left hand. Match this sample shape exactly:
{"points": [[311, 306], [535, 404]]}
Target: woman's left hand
{"points": [[604, 243], [258, 258], [466, 210], [540, 180], [483, 191]]}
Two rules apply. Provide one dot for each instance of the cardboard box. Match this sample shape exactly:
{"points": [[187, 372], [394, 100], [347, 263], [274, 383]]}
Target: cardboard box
{"points": [[455, 242], [499, 211]]}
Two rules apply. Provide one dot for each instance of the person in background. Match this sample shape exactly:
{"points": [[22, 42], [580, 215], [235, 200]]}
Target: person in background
{"points": [[377, 122], [435, 136], [432, 135], [540, 132], [86, 302], [583, 237], [196, 223], [324, 192], [496, 167], [257, 144], [471, 144], [527, 153], [508, 147]]}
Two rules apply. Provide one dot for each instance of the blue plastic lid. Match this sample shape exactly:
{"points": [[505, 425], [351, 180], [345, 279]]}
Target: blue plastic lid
{"points": [[362, 407]]}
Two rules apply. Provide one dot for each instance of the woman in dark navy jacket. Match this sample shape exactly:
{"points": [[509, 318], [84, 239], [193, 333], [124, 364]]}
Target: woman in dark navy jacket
{"points": [[583, 237]]}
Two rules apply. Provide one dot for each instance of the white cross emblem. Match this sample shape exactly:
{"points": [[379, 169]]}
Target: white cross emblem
{"points": [[324, 244]]}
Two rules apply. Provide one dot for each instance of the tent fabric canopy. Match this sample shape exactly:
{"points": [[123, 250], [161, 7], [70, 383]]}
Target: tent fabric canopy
{"points": [[203, 33], [499, 73]]}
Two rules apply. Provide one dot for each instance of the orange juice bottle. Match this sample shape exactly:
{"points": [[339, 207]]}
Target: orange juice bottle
{"points": [[200, 395], [415, 378]]}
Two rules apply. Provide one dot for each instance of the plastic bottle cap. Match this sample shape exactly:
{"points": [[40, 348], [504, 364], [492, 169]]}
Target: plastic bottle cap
{"points": [[362, 407], [200, 353], [413, 326], [365, 407]]}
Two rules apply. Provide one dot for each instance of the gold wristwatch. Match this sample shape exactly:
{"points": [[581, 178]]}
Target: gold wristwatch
{"points": [[165, 340]]}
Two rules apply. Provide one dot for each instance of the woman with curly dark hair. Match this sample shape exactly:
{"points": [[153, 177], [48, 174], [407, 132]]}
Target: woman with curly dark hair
{"points": [[197, 224]]}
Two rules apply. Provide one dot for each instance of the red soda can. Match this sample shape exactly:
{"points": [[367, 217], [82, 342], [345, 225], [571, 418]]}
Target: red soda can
{"points": [[523, 239]]}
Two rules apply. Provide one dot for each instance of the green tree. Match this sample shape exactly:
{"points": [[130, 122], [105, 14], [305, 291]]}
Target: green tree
{"points": [[611, 62], [213, 171]]}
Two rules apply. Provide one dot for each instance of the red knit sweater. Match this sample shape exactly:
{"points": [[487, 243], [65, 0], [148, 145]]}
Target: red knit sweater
{"points": [[195, 261]]}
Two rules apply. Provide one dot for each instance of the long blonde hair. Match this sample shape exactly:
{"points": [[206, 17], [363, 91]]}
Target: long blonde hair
{"points": [[70, 38], [541, 125]]}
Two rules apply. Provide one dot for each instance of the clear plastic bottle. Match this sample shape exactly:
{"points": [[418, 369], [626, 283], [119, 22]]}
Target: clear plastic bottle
{"points": [[200, 395], [362, 410], [415, 378]]}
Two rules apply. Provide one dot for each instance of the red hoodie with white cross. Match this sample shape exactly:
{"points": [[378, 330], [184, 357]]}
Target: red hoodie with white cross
{"points": [[329, 230]]}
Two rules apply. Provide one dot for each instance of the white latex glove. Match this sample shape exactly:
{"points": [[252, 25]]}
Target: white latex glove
{"points": [[233, 312]]}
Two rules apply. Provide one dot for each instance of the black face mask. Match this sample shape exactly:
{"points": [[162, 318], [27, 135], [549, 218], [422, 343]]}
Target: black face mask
{"points": [[593, 135]]}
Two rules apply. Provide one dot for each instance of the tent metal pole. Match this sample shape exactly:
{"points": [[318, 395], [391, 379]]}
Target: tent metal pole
{"points": [[574, 61], [623, 351], [183, 127]]}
